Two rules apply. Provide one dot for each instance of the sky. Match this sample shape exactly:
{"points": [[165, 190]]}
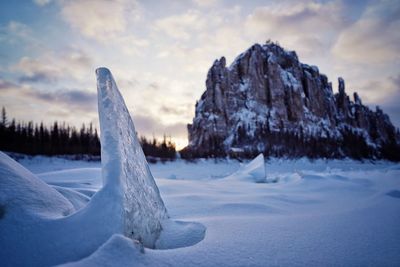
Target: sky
{"points": [[160, 51]]}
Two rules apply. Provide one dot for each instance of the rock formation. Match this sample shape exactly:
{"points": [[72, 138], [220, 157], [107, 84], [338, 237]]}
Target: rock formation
{"points": [[268, 101]]}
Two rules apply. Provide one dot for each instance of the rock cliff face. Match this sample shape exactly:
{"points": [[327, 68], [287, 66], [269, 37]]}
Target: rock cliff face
{"points": [[267, 101]]}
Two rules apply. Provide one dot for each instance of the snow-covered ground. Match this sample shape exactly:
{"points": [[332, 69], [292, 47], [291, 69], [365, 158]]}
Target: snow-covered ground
{"points": [[320, 213]]}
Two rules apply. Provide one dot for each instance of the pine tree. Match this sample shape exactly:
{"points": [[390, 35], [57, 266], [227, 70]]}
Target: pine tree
{"points": [[3, 117]]}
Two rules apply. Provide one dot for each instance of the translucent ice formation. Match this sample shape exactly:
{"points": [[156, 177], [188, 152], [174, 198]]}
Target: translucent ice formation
{"points": [[124, 167]]}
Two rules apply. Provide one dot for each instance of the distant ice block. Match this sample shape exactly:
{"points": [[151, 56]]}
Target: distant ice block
{"points": [[253, 171], [125, 171]]}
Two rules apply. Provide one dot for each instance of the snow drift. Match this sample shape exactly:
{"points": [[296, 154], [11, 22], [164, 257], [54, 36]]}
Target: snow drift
{"points": [[23, 194]]}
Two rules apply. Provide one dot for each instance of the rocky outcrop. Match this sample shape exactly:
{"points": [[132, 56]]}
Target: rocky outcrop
{"points": [[267, 101]]}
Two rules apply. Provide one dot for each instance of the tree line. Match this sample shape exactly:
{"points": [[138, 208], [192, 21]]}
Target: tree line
{"points": [[62, 139]]}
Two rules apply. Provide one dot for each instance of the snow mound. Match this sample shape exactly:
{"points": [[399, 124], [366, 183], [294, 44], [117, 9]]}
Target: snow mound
{"points": [[77, 199], [177, 234], [89, 178], [286, 178], [117, 251], [253, 171], [124, 167], [22, 193]]}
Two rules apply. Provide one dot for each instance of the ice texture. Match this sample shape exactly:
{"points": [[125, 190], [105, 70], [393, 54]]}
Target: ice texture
{"points": [[124, 167]]}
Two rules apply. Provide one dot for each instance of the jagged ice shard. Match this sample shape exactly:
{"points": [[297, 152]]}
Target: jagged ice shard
{"points": [[252, 171], [125, 171]]}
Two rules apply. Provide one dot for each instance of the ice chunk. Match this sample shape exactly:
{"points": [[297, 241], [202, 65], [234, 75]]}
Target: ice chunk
{"points": [[125, 171], [253, 171], [129, 202]]}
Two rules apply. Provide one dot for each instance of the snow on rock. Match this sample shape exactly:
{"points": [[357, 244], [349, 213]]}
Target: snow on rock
{"points": [[268, 96], [125, 170], [253, 171], [23, 194]]}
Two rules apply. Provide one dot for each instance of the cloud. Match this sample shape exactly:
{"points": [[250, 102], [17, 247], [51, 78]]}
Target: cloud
{"points": [[7, 85], [50, 67], [390, 104], [149, 125], [18, 29], [69, 99], [305, 26], [36, 78], [163, 100], [170, 110], [181, 26], [198, 36], [396, 81], [42, 2], [99, 19], [204, 35], [206, 3], [382, 90], [154, 86], [375, 37], [176, 110], [73, 100], [15, 32], [384, 93], [33, 67], [112, 24], [30, 104], [129, 44]]}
